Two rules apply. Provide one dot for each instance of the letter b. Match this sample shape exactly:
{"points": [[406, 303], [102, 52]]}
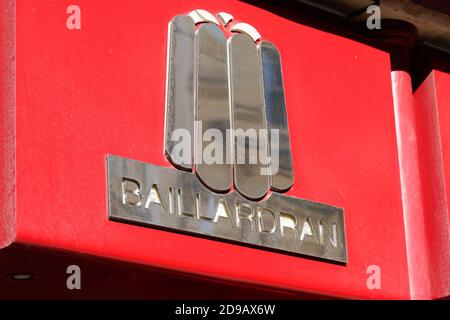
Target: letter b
{"points": [[131, 194]]}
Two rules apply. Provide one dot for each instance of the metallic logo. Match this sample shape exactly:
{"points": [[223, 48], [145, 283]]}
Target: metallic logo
{"points": [[226, 132]]}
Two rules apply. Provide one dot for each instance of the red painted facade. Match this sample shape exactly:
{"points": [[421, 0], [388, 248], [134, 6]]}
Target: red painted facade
{"points": [[360, 140]]}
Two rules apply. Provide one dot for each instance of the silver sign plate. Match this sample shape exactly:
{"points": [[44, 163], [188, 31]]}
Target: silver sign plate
{"points": [[179, 86], [248, 114], [276, 114], [213, 107], [146, 194]]}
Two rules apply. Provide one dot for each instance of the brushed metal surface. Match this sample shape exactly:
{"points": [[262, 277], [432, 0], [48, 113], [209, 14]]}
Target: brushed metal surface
{"points": [[201, 16], [248, 113], [146, 194], [276, 116], [180, 87], [246, 29], [225, 18], [212, 109]]}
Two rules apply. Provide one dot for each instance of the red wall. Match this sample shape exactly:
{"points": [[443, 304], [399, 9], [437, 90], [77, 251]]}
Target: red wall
{"points": [[84, 94]]}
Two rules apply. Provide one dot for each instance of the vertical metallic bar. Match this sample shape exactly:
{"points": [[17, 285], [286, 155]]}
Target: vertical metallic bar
{"points": [[275, 104], [180, 88], [248, 114], [213, 109]]}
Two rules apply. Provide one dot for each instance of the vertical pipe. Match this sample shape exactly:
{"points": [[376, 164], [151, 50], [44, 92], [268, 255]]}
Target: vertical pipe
{"points": [[399, 38]]}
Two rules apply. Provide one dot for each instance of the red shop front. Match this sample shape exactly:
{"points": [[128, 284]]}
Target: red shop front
{"points": [[368, 116]]}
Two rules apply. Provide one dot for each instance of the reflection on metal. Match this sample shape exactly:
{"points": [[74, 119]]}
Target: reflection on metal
{"points": [[225, 18], [213, 108], [146, 194], [200, 16], [179, 87], [213, 85], [247, 29], [248, 114], [276, 114]]}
